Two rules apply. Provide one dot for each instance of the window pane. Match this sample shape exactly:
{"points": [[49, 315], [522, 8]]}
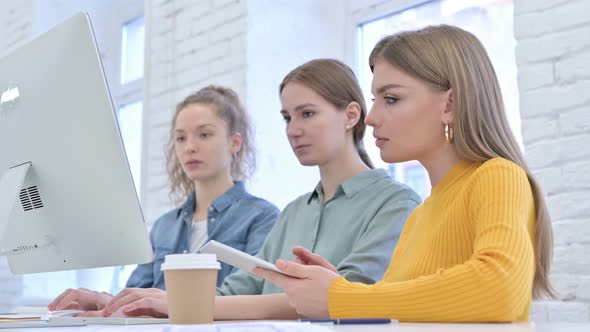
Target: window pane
{"points": [[39, 288], [120, 278], [132, 50], [130, 117], [491, 21]]}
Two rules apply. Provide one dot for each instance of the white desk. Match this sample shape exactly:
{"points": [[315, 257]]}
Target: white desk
{"points": [[422, 327], [398, 327]]}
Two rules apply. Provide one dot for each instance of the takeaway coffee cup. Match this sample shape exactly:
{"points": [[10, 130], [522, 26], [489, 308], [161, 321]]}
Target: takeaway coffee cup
{"points": [[190, 280]]}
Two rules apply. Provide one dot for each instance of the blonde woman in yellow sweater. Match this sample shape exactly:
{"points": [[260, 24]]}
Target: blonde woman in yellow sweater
{"points": [[479, 248]]}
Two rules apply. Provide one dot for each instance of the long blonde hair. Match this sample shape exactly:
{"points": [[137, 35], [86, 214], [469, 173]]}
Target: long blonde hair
{"points": [[228, 107], [447, 57], [335, 82]]}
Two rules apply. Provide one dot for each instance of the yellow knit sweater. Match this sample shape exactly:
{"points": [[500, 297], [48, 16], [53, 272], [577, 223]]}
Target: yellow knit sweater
{"points": [[465, 255]]}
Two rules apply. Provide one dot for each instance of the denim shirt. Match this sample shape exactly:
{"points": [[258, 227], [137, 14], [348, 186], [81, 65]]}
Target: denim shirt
{"points": [[236, 219]]}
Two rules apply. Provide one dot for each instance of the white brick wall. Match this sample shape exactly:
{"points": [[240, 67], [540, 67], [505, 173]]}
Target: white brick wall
{"points": [[553, 56], [15, 29]]}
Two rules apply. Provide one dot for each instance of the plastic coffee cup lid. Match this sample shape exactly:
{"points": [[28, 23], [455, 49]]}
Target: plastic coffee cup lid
{"points": [[190, 261]]}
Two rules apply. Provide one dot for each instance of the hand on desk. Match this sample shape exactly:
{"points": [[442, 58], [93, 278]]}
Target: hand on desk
{"points": [[307, 290], [138, 302], [80, 299]]}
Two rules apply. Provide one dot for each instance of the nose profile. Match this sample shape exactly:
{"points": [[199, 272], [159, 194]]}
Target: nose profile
{"points": [[294, 130], [370, 119]]}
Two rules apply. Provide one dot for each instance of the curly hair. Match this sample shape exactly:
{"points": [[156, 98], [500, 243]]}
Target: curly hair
{"points": [[228, 107]]}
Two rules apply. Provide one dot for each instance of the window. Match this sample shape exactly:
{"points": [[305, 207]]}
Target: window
{"points": [[129, 117], [490, 20], [129, 97], [132, 46], [129, 93]]}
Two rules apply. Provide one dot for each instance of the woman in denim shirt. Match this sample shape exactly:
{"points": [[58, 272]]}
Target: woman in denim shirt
{"points": [[209, 152]]}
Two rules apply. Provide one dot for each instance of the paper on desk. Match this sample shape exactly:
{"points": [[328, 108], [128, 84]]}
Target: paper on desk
{"points": [[267, 326], [247, 326]]}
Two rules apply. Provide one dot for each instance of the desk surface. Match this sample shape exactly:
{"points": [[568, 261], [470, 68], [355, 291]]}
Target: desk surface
{"points": [[396, 327]]}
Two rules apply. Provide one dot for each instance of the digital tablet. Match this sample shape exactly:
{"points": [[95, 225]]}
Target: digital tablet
{"points": [[234, 257]]}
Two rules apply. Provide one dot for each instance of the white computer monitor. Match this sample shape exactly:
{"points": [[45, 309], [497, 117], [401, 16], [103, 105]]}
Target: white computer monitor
{"points": [[67, 198]]}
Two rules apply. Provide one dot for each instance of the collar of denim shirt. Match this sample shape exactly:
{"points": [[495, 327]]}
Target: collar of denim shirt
{"points": [[352, 185], [235, 193]]}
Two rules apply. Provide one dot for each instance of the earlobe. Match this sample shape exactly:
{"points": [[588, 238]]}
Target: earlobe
{"points": [[450, 107], [448, 112], [353, 114], [236, 143]]}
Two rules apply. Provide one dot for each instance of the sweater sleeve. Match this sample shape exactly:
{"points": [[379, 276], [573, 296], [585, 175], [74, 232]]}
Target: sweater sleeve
{"points": [[494, 285]]}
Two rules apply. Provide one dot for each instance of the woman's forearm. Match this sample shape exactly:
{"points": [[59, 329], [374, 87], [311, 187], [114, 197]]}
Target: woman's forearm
{"points": [[247, 307]]}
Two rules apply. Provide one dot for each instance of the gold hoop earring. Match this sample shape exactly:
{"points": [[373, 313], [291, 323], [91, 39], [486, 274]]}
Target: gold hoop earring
{"points": [[449, 135]]}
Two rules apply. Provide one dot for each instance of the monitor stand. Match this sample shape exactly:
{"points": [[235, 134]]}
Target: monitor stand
{"points": [[11, 183]]}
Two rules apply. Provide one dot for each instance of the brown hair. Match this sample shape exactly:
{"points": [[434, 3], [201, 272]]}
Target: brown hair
{"points": [[446, 57], [228, 107], [336, 83]]}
